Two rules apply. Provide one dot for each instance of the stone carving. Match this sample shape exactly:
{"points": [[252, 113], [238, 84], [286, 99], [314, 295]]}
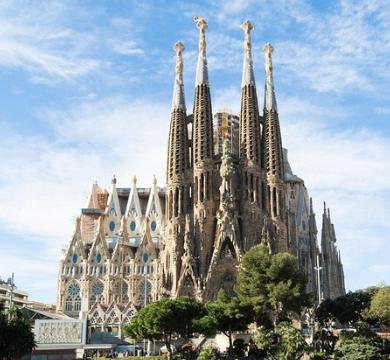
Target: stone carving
{"points": [[247, 26], [179, 47], [59, 332], [201, 23], [268, 50]]}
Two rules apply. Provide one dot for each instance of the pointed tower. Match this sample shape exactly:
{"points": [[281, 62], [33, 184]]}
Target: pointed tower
{"points": [[333, 275], [203, 162], [273, 156], [314, 251], [178, 190], [252, 183]]}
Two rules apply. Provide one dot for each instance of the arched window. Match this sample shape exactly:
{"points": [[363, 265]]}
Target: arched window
{"points": [[142, 290], [73, 298], [96, 292], [120, 293]]}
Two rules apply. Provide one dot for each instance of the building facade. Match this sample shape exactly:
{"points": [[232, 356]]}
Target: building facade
{"points": [[10, 295], [229, 187]]}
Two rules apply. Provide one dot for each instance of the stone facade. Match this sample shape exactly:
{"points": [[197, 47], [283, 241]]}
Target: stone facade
{"points": [[135, 245]]}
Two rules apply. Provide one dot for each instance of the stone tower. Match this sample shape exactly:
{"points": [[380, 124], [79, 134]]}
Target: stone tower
{"points": [[179, 179], [203, 160], [252, 181], [135, 245], [273, 158], [332, 268]]}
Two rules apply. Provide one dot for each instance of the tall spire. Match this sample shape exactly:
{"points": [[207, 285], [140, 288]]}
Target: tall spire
{"points": [[250, 149], [272, 143], [203, 158], [178, 155], [248, 77], [201, 68], [178, 101], [252, 182], [269, 94], [202, 114]]}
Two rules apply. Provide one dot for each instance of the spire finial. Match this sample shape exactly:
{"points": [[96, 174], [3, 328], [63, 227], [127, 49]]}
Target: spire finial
{"points": [[134, 181], [113, 180], [248, 77], [154, 180], [324, 207], [178, 101], [201, 69], [311, 206], [270, 100]]}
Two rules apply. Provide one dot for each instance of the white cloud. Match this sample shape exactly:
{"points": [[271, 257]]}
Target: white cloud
{"points": [[37, 44], [349, 170], [44, 182]]}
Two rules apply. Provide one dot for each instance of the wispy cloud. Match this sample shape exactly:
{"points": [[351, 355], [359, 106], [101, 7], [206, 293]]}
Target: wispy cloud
{"points": [[322, 56]]}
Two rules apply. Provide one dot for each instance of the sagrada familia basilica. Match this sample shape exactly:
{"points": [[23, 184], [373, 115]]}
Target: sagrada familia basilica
{"points": [[229, 186]]}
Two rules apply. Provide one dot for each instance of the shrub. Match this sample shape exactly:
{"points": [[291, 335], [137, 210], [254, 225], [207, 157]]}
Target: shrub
{"points": [[208, 354]]}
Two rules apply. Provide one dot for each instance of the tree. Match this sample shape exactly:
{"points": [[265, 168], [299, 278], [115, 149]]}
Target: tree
{"points": [[264, 339], [283, 343], [164, 319], [380, 306], [273, 284], [347, 309], [208, 354], [227, 315], [16, 337], [357, 348], [291, 343]]}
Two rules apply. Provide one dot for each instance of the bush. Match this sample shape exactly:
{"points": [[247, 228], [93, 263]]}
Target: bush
{"points": [[357, 348], [208, 354], [319, 356]]}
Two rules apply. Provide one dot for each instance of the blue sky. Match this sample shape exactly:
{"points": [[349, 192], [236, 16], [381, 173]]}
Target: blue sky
{"points": [[85, 92]]}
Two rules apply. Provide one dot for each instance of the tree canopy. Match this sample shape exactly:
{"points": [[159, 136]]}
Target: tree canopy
{"points": [[164, 319], [348, 309], [16, 337], [283, 343], [272, 284], [380, 306], [358, 348], [227, 315]]}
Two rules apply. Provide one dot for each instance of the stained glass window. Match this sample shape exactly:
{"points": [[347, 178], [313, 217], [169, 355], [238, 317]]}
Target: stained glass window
{"points": [[98, 258], [96, 291], [153, 225], [121, 292], [75, 257], [112, 225], [133, 225], [145, 257], [73, 299]]}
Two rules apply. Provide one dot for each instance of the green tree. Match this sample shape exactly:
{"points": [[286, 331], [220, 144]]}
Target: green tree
{"points": [[164, 319], [264, 339], [208, 354], [16, 337], [227, 315], [348, 309], [283, 343], [291, 343], [380, 306], [273, 284], [357, 348]]}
